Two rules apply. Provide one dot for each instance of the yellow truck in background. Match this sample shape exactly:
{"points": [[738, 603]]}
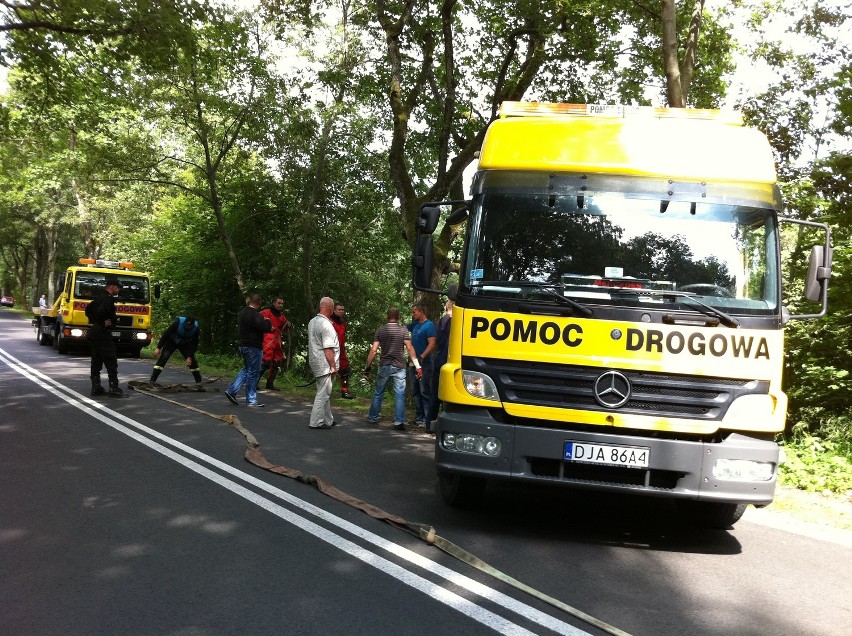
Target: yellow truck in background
{"points": [[65, 324], [618, 319]]}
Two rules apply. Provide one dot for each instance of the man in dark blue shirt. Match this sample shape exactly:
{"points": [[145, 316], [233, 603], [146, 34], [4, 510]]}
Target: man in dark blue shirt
{"points": [[423, 340]]}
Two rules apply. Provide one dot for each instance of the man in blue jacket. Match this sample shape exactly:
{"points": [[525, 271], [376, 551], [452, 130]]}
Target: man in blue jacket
{"points": [[182, 335]]}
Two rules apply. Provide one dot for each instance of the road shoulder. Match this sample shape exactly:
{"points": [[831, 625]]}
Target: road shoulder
{"points": [[823, 517]]}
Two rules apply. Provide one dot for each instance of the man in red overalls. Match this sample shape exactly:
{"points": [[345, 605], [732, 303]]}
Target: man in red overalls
{"points": [[273, 351], [343, 372]]}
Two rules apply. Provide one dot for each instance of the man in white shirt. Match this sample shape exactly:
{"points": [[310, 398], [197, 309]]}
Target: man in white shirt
{"points": [[324, 359]]}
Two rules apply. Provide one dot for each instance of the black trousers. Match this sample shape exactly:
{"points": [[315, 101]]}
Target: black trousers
{"points": [[103, 355], [344, 375], [166, 352]]}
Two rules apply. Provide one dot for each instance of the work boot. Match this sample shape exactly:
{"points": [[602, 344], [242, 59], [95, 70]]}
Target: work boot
{"points": [[346, 395], [115, 391], [273, 372], [97, 389]]}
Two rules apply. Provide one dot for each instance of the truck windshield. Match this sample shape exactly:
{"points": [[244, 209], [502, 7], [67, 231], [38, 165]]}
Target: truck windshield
{"points": [[90, 285], [613, 248]]}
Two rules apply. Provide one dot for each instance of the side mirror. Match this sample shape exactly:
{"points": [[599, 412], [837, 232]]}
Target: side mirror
{"points": [[158, 289], [423, 263], [427, 223], [458, 216], [428, 220], [819, 271]]}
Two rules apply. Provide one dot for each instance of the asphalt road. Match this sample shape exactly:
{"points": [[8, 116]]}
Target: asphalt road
{"points": [[141, 516]]}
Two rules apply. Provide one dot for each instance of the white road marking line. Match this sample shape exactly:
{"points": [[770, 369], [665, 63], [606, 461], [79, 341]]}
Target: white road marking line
{"points": [[499, 624]]}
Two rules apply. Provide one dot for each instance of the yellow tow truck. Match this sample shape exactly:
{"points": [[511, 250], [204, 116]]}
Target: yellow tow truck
{"points": [[65, 324], [618, 323]]}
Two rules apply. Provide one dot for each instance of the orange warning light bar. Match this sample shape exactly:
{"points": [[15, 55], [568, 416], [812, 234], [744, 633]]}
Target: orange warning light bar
{"points": [[617, 111]]}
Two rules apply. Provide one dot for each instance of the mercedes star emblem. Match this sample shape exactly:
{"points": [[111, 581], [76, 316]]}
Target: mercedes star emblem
{"points": [[612, 389]]}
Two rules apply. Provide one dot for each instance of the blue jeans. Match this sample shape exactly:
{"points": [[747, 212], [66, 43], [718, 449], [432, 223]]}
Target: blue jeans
{"points": [[249, 374], [387, 373], [421, 391]]}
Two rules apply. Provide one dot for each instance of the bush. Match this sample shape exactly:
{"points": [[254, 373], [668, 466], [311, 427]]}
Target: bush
{"points": [[819, 462]]}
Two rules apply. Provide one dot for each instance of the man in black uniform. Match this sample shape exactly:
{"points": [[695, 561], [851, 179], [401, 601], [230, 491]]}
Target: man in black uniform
{"points": [[182, 335], [101, 313]]}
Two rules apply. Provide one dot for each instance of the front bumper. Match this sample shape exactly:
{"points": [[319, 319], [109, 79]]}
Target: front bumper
{"points": [[123, 338], [678, 468]]}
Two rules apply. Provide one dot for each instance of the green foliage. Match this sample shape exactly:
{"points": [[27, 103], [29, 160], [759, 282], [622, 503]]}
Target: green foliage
{"points": [[819, 463]]}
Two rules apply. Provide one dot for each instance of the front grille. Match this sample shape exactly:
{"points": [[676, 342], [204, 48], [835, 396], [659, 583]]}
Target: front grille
{"points": [[572, 386], [604, 475], [124, 321]]}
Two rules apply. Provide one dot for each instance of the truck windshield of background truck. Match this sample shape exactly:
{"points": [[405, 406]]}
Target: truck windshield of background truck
{"points": [[88, 285], [615, 248]]}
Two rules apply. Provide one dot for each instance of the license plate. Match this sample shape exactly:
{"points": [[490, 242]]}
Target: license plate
{"points": [[626, 456], [116, 334]]}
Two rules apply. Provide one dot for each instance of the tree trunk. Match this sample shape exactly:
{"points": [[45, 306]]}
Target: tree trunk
{"points": [[674, 91], [679, 74]]}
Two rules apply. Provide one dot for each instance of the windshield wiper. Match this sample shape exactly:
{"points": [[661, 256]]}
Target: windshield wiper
{"points": [[725, 319], [547, 288]]}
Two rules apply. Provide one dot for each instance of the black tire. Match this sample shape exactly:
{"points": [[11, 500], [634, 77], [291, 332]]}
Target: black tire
{"points": [[712, 515], [461, 491], [61, 341], [43, 340], [135, 353]]}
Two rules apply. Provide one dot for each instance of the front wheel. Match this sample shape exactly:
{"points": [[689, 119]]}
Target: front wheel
{"points": [[711, 514], [461, 491], [60, 340]]}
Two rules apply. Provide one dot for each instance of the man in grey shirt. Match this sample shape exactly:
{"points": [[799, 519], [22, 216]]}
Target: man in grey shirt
{"points": [[393, 339]]}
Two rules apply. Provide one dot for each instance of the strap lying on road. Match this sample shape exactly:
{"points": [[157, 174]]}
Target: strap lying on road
{"points": [[425, 532], [147, 387], [231, 420]]}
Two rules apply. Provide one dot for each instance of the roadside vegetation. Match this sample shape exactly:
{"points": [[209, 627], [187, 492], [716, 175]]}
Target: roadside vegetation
{"points": [[819, 463]]}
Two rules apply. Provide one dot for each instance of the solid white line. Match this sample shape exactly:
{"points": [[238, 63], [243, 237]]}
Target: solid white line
{"points": [[98, 410]]}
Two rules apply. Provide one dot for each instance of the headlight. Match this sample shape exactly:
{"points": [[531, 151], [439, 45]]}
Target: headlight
{"points": [[78, 333], [480, 385], [742, 470], [468, 443], [142, 336]]}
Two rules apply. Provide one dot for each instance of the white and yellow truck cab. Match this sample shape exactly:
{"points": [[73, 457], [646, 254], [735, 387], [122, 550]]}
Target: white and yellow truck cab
{"points": [[618, 323]]}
